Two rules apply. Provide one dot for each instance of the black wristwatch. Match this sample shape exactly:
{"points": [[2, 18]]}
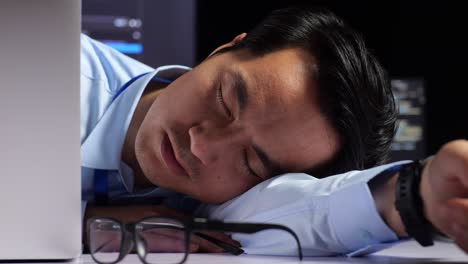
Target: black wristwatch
{"points": [[409, 204]]}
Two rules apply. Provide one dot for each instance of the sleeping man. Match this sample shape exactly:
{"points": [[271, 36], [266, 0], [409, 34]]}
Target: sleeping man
{"points": [[299, 96]]}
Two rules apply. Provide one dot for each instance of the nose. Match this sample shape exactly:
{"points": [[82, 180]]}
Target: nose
{"points": [[209, 143]]}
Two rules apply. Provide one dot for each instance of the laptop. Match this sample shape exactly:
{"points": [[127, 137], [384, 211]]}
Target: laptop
{"points": [[40, 194]]}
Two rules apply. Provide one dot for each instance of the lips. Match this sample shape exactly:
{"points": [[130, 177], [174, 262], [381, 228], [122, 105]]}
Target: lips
{"points": [[167, 153]]}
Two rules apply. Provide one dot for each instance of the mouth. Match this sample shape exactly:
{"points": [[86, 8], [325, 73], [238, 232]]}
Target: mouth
{"points": [[170, 159]]}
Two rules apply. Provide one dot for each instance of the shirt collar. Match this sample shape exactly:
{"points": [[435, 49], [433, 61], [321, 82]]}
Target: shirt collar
{"points": [[102, 148]]}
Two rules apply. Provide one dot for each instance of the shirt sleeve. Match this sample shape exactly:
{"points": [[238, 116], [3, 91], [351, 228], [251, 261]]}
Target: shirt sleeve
{"points": [[331, 216]]}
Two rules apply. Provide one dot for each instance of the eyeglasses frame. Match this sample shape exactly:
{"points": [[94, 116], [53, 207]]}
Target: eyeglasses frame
{"points": [[192, 225]]}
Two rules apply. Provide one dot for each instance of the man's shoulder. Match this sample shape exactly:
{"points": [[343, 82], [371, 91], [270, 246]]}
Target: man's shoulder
{"points": [[92, 55], [102, 62]]}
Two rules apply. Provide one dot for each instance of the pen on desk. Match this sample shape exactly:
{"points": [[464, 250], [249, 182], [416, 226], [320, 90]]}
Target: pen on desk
{"points": [[228, 247]]}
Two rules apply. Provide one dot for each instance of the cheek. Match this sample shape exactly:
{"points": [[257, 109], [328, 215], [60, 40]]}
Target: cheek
{"points": [[185, 104], [220, 184]]}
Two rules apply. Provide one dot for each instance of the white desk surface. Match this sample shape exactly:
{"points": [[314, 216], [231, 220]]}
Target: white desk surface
{"points": [[406, 252]]}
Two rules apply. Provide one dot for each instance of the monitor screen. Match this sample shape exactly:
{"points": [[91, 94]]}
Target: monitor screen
{"points": [[154, 32], [119, 26], [409, 141]]}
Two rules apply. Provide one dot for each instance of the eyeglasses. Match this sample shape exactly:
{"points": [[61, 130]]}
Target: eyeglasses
{"points": [[156, 239]]}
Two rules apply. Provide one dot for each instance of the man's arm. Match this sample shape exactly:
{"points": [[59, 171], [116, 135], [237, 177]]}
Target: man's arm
{"points": [[444, 192], [333, 215], [343, 214]]}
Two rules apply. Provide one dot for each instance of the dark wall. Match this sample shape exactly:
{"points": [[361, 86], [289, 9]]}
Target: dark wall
{"points": [[411, 39]]}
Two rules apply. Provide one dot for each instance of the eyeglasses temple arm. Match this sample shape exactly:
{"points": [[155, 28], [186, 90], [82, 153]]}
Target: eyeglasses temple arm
{"points": [[248, 228], [226, 246]]}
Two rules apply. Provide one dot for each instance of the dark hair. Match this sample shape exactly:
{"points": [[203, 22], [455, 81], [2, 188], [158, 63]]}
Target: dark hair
{"points": [[354, 90]]}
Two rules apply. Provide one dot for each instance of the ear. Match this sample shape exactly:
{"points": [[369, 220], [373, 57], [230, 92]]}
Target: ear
{"points": [[236, 40]]}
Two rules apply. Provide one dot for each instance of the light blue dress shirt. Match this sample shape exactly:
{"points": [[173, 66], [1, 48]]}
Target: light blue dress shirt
{"points": [[331, 216]]}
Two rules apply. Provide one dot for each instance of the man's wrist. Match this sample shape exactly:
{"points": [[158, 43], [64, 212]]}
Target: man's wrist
{"points": [[426, 195], [424, 187], [384, 198], [410, 205], [391, 214]]}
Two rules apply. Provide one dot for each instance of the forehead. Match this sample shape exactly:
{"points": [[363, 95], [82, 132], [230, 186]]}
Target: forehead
{"points": [[284, 117]]}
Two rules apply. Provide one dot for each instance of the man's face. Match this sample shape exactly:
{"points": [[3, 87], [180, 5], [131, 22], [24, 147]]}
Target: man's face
{"points": [[232, 122]]}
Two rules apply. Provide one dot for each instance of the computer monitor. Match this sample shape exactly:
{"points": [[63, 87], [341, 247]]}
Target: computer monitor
{"points": [[409, 141], [40, 192], [153, 32]]}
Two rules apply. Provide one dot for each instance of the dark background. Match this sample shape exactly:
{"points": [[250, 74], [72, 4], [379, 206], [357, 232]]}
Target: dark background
{"points": [[411, 39]]}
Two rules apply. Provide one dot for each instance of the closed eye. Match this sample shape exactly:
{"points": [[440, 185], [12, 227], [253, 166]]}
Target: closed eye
{"points": [[247, 166], [219, 96]]}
